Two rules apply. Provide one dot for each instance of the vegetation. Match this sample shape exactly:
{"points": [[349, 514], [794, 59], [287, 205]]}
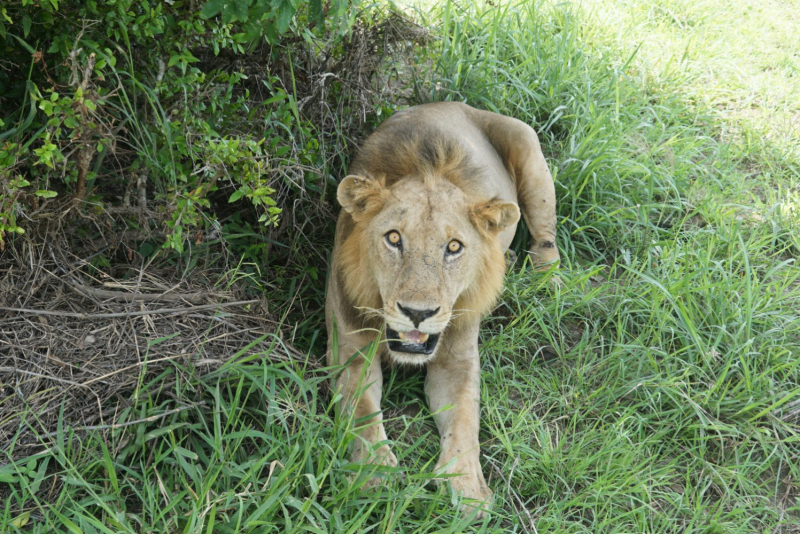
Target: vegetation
{"points": [[183, 129], [102, 101], [656, 390]]}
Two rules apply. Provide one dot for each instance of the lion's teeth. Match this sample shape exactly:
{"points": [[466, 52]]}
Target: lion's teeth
{"points": [[413, 336]]}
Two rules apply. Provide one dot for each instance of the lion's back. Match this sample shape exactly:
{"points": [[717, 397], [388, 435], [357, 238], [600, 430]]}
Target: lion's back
{"points": [[439, 137]]}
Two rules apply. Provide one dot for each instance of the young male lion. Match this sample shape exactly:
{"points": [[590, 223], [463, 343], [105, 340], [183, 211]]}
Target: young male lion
{"points": [[428, 210]]}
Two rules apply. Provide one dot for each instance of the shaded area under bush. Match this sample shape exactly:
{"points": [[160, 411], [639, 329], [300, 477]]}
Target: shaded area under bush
{"points": [[78, 340]]}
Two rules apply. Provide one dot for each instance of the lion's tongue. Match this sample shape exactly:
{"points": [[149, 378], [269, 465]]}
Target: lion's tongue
{"points": [[413, 336]]}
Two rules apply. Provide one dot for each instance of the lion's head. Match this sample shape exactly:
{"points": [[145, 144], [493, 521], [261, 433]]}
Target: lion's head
{"points": [[422, 255]]}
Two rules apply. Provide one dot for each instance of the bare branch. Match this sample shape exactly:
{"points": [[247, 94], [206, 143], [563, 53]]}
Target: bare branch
{"points": [[189, 309]]}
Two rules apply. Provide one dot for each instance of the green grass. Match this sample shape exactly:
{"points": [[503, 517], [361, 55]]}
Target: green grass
{"points": [[738, 58], [656, 390]]}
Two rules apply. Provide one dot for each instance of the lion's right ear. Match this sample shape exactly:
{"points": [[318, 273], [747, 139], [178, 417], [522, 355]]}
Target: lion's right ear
{"points": [[361, 196]]}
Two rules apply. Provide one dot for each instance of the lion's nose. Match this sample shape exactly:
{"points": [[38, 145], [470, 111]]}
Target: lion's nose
{"points": [[416, 316]]}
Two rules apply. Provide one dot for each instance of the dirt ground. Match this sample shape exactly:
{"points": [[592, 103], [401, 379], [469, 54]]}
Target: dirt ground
{"points": [[81, 340]]}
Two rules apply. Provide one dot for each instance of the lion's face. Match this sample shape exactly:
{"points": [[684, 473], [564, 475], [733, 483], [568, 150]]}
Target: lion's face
{"points": [[429, 254]]}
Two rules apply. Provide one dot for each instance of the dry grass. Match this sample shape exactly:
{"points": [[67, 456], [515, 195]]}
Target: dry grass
{"points": [[77, 340]]}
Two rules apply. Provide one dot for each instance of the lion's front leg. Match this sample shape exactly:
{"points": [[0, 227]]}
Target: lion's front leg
{"points": [[454, 380], [360, 384]]}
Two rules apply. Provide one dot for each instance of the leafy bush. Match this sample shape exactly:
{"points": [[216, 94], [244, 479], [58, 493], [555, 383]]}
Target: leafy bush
{"points": [[143, 111]]}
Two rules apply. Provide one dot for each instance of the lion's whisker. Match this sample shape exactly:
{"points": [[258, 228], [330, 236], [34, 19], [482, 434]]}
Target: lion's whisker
{"points": [[369, 312]]}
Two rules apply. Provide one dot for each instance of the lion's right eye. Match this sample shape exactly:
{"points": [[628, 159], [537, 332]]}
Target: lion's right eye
{"points": [[393, 238]]}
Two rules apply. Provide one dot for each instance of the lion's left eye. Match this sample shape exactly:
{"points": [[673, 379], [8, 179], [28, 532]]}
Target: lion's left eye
{"points": [[454, 247]]}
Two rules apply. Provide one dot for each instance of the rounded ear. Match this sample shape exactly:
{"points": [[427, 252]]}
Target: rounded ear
{"points": [[360, 196], [494, 216]]}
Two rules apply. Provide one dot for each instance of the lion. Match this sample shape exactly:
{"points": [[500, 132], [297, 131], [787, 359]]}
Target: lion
{"points": [[429, 208]]}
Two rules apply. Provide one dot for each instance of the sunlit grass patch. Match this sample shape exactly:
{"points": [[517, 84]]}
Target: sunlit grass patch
{"points": [[737, 58]]}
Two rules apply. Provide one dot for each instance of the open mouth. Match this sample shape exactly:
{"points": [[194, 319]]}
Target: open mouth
{"points": [[413, 342]]}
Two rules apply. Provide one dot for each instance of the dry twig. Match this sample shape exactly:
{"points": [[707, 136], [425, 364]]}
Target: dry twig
{"points": [[194, 298], [189, 309], [116, 426]]}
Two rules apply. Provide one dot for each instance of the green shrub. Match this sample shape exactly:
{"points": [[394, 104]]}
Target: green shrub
{"points": [[102, 102]]}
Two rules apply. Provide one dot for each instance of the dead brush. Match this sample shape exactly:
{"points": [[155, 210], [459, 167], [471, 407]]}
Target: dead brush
{"points": [[77, 343]]}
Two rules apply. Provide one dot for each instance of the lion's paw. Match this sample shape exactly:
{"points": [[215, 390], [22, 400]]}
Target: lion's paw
{"points": [[475, 489], [471, 485], [383, 455], [545, 262]]}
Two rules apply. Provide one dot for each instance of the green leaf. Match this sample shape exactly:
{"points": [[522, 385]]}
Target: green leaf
{"points": [[75, 529], [8, 474], [236, 196], [213, 7], [25, 45], [239, 8], [285, 14], [21, 520], [46, 194], [186, 453], [31, 112], [315, 11]]}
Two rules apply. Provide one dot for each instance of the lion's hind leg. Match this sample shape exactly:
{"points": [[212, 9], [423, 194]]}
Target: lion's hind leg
{"points": [[518, 146]]}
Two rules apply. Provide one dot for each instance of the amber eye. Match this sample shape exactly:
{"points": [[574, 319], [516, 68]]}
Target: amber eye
{"points": [[454, 247], [393, 238]]}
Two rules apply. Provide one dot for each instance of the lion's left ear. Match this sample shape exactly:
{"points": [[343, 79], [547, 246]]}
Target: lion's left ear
{"points": [[494, 216], [360, 196]]}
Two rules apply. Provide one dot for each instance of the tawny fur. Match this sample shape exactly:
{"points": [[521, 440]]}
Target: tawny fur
{"points": [[431, 174]]}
